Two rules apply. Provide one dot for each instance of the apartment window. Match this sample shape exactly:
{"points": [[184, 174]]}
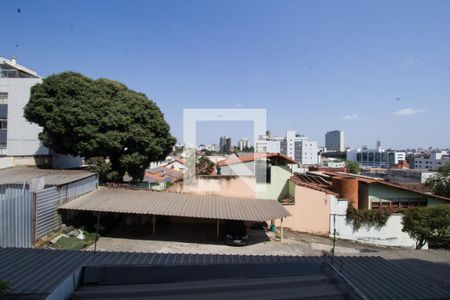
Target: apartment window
{"points": [[3, 124], [3, 98]]}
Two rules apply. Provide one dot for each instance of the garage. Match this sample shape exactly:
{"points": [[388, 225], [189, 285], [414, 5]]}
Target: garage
{"points": [[177, 209]]}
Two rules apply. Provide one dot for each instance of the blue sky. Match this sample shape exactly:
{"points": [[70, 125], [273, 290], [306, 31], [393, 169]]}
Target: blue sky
{"points": [[378, 70]]}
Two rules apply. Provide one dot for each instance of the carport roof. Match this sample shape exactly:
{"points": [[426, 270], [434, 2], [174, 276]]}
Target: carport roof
{"points": [[178, 204]]}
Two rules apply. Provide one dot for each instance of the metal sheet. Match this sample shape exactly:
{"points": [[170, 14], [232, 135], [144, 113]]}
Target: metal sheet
{"points": [[16, 220], [178, 204], [47, 217]]}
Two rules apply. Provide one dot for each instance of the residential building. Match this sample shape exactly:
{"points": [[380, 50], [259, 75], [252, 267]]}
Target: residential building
{"points": [[18, 137], [267, 146], [19, 142], [431, 161], [225, 144], [255, 175], [376, 158], [300, 148], [335, 141]]}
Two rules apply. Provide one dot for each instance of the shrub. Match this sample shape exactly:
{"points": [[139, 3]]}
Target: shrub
{"points": [[370, 218]]}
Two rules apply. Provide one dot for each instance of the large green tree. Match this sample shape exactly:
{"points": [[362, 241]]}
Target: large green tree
{"points": [[439, 184], [428, 224], [100, 118]]}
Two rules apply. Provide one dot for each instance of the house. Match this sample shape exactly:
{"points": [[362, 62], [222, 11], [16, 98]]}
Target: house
{"points": [[161, 177], [310, 200], [265, 174], [177, 164]]}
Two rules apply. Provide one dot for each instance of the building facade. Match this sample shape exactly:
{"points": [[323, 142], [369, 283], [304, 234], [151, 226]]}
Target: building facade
{"points": [[335, 141], [17, 136], [376, 158], [300, 148], [431, 161]]}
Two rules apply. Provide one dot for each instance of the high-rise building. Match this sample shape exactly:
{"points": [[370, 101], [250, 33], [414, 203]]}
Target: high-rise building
{"points": [[243, 144], [222, 143], [228, 147], [335, 141]]}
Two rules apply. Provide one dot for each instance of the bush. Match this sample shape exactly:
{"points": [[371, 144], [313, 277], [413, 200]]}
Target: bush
{"points": [[4, 287], [428, 225], [370, 218]]}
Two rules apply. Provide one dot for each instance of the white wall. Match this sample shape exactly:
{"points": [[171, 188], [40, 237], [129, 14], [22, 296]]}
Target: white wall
{"points": [[22, 135], [6, 162], [389, 235]]}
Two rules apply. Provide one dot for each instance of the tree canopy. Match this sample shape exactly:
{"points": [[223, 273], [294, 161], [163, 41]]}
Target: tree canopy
{"points": [[100, 118], [439, 184], [353, 167], [428, 224]]}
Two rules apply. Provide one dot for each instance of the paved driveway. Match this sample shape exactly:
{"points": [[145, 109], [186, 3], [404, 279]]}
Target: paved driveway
{"points": [[201, 239]]}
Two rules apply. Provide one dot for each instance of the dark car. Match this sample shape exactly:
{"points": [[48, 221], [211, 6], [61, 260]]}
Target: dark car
{"points": [[235, 233]]}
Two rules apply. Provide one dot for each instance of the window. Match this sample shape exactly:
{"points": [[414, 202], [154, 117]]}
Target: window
{"points": [[3, 124], [3, 98]]}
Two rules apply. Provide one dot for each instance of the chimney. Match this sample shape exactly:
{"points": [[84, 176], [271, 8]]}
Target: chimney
{"points": [[13, 60]]}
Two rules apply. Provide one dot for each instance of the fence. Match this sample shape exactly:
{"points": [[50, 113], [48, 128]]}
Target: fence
{"points": [[16, 217], [26, 216]]}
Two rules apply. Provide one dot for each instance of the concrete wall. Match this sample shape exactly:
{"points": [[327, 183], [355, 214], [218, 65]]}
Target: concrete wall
{"points": [[310, 213], [278, 186], [22, 135], [6, 162], [389, 235], [228, 186]]}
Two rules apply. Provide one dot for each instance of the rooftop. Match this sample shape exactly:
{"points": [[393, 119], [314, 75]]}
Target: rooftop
{"points": [[276, 157], [178, 204], [52, 177], [39, 272]]}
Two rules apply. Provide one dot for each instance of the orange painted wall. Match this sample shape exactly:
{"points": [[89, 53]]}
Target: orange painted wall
{"points": [[310, 213]]}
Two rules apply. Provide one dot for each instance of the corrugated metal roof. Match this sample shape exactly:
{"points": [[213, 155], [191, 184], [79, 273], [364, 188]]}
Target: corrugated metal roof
{"points": [[40, 271], [178, 204], [52, 177]]}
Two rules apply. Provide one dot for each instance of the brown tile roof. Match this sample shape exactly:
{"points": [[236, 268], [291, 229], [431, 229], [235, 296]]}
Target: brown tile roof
{"points": [[178, 204], [234, 159], [368, 180]]}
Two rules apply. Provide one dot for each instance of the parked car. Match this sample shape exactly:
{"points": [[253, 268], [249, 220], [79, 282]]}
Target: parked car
{"points": [[235, 233]]}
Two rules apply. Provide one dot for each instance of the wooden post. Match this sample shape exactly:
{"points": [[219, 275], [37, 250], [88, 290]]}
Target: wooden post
{"points": [[218, 229], [96, 232], [281, 230], [154, 224]]}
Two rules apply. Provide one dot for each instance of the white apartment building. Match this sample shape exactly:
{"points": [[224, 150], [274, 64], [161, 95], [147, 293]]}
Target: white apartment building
{"points": [[335, 141], [267, 146], [431, 161], [294, 145], [19, 142], [18, 137], [376, 158], [243, 143]]}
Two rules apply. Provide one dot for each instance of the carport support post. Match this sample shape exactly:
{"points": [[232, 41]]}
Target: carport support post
{"points": [[281, 230], [154, 224], [218, 229], [96, 232]]}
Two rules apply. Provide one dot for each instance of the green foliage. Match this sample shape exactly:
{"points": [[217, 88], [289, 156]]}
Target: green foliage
{"points": [[439, 184], [70, 243], [100, 118], [103, 168], [428, 224], [204, 166], [353, 167], [370, 218], [4, 287]]}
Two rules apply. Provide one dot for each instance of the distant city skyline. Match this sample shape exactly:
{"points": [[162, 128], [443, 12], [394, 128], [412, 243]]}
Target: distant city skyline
{"points": [[375, 70]]}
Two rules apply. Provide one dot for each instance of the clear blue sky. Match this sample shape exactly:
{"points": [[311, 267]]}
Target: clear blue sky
{"points": [[378, 70]]}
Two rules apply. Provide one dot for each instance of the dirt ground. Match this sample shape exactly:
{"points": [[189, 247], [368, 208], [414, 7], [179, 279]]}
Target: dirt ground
{"points": [[201, 239]]}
